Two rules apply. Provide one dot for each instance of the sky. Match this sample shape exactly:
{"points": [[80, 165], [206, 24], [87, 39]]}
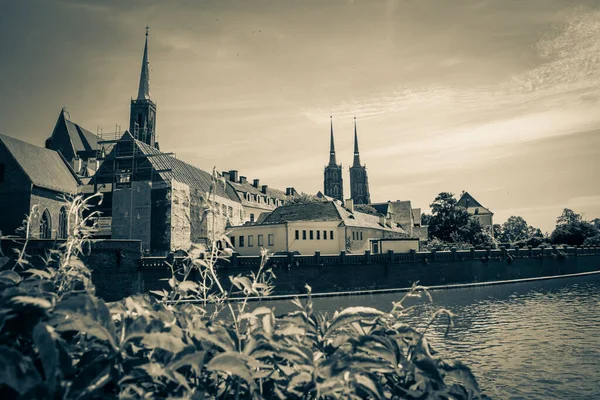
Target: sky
{"points": [[500, 98]]}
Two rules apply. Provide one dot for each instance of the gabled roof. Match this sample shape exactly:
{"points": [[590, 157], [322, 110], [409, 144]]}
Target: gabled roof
{"points": [[467, 201], [45, 168], [363, 220], [169, 167], [79, 139], [247, 187], [317, 211]]}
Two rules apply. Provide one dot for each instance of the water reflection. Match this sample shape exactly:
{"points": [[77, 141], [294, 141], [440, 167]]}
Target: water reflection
{"points": [[529, 340]]}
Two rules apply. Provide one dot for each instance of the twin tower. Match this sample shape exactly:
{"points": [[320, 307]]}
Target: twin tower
{"points": [[359, 182]]}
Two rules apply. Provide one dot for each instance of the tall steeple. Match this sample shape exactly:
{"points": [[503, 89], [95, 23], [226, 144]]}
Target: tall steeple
{"points": [[356, 162], [359, 181], [144, 89], [332, 145], [333, 182], [142, 118]]}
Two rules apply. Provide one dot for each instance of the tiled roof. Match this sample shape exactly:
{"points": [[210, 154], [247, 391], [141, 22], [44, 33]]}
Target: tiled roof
{"points": [[317, 211], [363, 220], [468, 201], [45, 168], [82, 139], [247, 187], [179, 170]]}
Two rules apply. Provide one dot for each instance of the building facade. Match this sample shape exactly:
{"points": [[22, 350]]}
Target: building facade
{"points": [[34, 181], [484, 215], [359, 181], [333, 180], [305, 228]]}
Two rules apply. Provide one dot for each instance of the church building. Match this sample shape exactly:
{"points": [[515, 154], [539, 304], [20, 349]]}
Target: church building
{"points": [[334, 182], [359, 181]]}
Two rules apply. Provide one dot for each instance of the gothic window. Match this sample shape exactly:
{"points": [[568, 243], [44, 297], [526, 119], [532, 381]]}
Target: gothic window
{"points": [[63, 223], [45, 225], [2, 171]]}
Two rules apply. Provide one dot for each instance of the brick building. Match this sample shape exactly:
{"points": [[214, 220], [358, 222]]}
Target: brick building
{"points": [[34, 176]]}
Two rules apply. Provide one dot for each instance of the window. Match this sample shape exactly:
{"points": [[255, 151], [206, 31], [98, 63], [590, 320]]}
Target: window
{"points": [[230, 209], [63, 223], [361, 236], [45, 225], [241, 241], [250, 240], [251, 217], [303, 235], [353, 235], [311, 234], [224, 210], [330, 235], [318, 235], [297, 234], [260, 240], [232, 240], [324, 235], [2, 171], [271, 239]]}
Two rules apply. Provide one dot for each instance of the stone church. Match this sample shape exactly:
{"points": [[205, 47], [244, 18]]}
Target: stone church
{"points": [[359, 181]]}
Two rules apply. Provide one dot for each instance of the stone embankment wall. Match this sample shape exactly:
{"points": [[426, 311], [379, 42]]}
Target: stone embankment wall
{"points": [[387, 271], [115, 264]]}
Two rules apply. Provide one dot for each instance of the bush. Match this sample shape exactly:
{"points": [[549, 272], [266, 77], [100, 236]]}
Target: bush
{"points": [[60, 341]]}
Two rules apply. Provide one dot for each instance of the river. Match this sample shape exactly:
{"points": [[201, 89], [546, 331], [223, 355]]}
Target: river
{"points": [[531, 340]]}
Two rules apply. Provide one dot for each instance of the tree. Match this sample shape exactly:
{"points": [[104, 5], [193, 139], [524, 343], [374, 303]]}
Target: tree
{"points": [[367, 209], [572, 229], [451, 223], [303, 198], [514, 229], [497, 230], [425, 218]]}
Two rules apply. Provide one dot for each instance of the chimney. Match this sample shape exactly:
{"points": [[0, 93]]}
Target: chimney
{"points": [[350, 205], [264, 187], [288, 191], [256, 183], [225, 175], [233, 175], [243, 179]]}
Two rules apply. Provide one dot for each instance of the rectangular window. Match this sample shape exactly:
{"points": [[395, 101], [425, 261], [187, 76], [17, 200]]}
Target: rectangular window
{"points": [[361, 236], [303, 235], [241, 241], [311, 234], [232, 240], [318, 235], [260, 240], [250, 241], [251, 217], [297, 234], [353, 235], [330, 235], [230, 209], [271, 239], [324, 235], [224, 210]]}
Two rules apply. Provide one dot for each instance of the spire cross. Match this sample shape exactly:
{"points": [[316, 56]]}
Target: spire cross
{"points": [[147, 27]]}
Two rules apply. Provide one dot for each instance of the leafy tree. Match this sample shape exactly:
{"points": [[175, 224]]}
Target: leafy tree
{"points": [[303, 198], [367, 209], [425, 218], [572, 229], [449, 222], [515, 228], [497, 230]]}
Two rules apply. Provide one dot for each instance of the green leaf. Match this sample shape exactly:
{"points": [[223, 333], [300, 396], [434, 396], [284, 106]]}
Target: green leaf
{"points": [[232, 363], [17, 371], [352, 314], [163, 340], [45, 342]]}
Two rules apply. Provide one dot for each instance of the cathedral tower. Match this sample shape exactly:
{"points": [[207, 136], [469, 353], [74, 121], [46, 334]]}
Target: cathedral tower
{"points": [[359, 182], [142, 119], [334, 183]]}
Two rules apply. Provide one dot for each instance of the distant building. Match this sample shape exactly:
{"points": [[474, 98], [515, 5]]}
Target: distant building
{"points": [[34, 176], [359, 181], [402, 213], [484, 215], [78, 146], [327, 227], [163, 201], [255, 198], [333, 180]]}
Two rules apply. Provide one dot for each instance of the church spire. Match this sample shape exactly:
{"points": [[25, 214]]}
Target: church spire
{"points": [[144, 90], [332, 160], [356, 154]]}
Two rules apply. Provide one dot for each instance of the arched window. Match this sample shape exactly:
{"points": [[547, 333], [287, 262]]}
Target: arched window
{"points": [[45, 225], [2, 170], [63, 223]]}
